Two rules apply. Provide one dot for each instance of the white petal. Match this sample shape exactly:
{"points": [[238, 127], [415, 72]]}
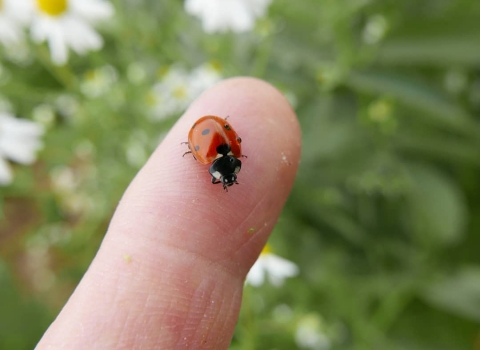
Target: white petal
{"points": [[58, 46], [19, 10], [92, 10], [6, 175], [20, 150], [80, 36], [258, 8], [256, 275], [19, 139], [51, 29], [10, 125], [193, 7], [224, 15], [279, 268], [10, 32], [241, 20], [39, 29]]}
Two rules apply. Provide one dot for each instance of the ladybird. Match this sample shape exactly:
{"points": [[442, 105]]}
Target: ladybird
{"points": [[212, 140]]}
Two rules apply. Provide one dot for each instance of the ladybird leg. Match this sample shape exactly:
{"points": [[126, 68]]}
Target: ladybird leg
{"points": [[187, 153], [215, 181], [227, 117], [184, 143], [225, 187], [244, 156]]}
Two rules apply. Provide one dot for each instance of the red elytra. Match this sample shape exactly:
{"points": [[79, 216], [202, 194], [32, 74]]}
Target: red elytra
{"points": [[207, 134]]}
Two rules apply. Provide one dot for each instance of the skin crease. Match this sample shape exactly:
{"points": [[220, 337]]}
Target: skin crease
{"points": [[170, 271]]}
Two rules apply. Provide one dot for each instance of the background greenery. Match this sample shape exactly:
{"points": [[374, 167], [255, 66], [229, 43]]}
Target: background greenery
{"points": [[383, 221]]}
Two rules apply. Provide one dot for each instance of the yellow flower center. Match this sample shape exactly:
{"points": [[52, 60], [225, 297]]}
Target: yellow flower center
{"points": [[52, 7], [151, 99], [266, 250], [180, 92]]}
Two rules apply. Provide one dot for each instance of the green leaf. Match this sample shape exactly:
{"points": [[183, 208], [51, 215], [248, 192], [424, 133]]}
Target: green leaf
{"points": [[437, 207], [458, 293], [436, 51], [444, 148], [22, 322]]}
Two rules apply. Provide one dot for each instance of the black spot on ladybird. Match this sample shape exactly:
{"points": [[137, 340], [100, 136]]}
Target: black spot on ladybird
{"points": [[205, 132], [239, 140], [197, 148], [227, 127]]}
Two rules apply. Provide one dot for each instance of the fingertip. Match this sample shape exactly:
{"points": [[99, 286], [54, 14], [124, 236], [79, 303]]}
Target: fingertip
{"points": [[180, 188]]}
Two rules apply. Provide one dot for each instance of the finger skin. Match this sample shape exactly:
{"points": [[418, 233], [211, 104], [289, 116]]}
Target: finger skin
{"points": [[170, 271]]}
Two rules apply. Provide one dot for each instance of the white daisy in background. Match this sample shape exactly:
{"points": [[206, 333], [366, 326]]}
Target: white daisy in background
{"points": [[13, 16], [98, 82], [69, 24], [269, 265], [311, 333], [227, 15], [178, 88], [19, 142], [67, 184], [375, 29], [204, 77]]}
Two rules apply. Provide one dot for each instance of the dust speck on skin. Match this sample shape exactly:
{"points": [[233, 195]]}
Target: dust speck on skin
{"points": [[127, 258], [251, 230], [285, 159]]}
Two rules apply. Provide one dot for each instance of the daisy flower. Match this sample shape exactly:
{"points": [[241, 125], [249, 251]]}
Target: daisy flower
{"points": [[311, 333], [69, 23], [375, 29], [225, 15], [19, 142], [178, 88], [276, 268], [204, 77], [13, 16], [98, 82]]}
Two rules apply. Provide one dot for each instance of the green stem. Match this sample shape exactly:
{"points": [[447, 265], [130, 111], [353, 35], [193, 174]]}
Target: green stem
{"points": [[61, 73], [391, 308]]}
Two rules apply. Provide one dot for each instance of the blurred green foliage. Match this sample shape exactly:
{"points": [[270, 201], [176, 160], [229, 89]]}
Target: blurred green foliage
{"points": [[384, 219]]}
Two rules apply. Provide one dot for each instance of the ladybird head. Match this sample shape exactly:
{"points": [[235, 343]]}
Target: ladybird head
{"points": [[229, 180]]}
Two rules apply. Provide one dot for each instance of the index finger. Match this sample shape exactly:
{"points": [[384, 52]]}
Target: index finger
{"points": [[189, 244]]}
